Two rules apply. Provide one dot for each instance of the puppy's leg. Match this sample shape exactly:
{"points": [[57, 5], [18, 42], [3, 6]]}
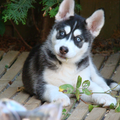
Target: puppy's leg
{"points": [[98, 98], [95, 76], [52, 94]]}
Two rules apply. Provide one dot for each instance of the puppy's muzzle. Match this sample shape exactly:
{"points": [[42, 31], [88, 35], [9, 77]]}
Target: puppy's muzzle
{"points": [[63, 50]]}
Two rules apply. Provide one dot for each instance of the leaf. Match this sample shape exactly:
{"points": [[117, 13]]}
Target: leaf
{"points": [[86, 91], [112, 106], [86, 84], [64, 110], [53, 12], [117, 109], [79, 81], [6, 66], [17, 10], [66, 88], [63, 113], [77, 93], [78, 7], [54, 4], [90, 107]]}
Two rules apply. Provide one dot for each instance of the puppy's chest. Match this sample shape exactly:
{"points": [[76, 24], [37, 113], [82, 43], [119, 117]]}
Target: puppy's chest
{"points": [[65, 74]]}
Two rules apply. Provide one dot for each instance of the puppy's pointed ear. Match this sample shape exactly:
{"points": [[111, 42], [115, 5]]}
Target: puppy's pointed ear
{"points": [[95, 22], [66, 9]]}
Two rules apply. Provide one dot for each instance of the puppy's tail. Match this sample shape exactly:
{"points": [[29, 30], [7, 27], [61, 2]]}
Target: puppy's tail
{"points": [[113, 84]]}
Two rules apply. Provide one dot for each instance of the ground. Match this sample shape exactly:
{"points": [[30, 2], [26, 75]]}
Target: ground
{"points": [[104, 46], [107, 46], [8, 43]]}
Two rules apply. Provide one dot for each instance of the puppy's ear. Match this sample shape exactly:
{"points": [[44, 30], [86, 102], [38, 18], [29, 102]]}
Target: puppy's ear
{"points": [[66, 9], [95, 22]]}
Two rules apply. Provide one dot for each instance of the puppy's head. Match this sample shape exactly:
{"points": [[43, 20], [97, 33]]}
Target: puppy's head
{"points": [[72, 35]]}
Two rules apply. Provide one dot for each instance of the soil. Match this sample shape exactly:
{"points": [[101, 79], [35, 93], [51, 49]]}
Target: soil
{"points": [[11, 43]]}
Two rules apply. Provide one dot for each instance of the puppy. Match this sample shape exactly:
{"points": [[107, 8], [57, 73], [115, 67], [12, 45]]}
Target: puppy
{"points": [[64, 56]]}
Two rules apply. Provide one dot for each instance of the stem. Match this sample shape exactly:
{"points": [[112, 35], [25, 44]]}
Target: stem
{"points": [[84, 101], [96, 93], [20, 35], [112, 88], [100, 93]]}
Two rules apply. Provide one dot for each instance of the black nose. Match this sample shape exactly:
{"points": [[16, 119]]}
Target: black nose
{"points": [[63, 50]]}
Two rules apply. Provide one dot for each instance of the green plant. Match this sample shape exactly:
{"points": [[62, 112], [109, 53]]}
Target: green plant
{"points": [[51, 7], [17, 10], [64, 111], [6, 66], [117, 108], [69, 89]]}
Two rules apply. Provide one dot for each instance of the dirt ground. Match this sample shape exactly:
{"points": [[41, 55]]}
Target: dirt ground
{"points": [[105, 46]]}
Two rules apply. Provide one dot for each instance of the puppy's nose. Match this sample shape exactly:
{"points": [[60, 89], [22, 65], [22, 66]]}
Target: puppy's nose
{"points": [[63, 50]]}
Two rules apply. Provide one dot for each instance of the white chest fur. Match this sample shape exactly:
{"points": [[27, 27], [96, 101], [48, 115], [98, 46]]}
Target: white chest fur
{"points": [[65, 74]]}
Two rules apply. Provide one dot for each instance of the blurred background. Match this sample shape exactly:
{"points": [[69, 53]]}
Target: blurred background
{"points": [[23, 24]]}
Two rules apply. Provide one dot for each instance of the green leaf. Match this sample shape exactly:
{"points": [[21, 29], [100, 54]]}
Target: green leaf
{"points": [[86, 84], [78, 7], [64, 110], [6, 66], [117, 109], [66, 88], [63, 113], [79, 81], [86, 91], [17, 10], [54, 4], [53, 12], [90, 107], [112, 106], [77, 93]]}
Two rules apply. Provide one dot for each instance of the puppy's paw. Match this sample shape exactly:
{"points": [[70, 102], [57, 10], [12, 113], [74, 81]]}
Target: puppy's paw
{"points": [[104, 99], [61, 98], [106, 88]]}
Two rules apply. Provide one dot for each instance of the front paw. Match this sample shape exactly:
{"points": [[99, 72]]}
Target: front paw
{"points": [[104, 99], [61, 98], [106, 88]]}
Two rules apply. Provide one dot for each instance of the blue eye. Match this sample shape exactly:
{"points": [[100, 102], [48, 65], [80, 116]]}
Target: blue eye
{"points": [[78, 39], [62, 33]]}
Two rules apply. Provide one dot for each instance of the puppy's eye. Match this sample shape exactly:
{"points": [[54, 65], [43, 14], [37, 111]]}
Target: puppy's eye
{"points": [[62, 33], [78, 39]]}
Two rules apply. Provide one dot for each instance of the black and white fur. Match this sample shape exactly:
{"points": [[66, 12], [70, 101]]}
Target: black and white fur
{"points": [[64, 56]]}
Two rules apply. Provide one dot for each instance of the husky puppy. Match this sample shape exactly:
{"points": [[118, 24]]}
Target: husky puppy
{"points": [[64, 56]]}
